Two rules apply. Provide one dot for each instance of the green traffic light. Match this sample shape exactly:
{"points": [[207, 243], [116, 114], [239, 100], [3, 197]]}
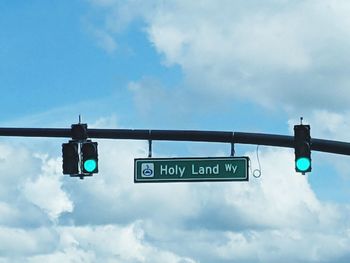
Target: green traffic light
{"points": [[90, 165], [303, 164]]}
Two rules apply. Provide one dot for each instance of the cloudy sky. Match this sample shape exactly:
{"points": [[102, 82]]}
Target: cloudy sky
{"points": [[228, 65]]}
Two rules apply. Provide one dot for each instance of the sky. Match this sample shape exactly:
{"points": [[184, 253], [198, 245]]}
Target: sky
{"points": [[228, 65]]}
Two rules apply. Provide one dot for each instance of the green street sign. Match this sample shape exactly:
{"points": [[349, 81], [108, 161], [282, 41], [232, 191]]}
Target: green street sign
{"points": [[148, 170]]}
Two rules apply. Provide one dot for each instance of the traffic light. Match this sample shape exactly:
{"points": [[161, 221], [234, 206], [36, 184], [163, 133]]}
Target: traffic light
{"points": [[70, 155], [89, 161], [302, 146]]}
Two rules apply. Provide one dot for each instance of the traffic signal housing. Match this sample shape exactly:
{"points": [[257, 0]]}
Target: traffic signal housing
{"points": [[302, 146], [89, 157], [70, 155]]}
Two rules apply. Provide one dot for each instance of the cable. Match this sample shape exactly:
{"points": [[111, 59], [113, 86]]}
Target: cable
{"points": [[257, 172]]}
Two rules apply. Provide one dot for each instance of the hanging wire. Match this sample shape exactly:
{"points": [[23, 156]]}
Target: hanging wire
{"points": [[257, 172]]}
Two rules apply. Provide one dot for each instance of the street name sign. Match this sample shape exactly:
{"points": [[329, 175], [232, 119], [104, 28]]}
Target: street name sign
{"points": [[148, 170]]}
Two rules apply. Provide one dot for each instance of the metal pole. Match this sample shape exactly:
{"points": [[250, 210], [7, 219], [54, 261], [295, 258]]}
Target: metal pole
{"points": [[36, 132], [321, 145]]}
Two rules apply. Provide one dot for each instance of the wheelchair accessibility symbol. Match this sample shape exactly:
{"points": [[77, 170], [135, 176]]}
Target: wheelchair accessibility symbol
{"points": [[147, 170]]}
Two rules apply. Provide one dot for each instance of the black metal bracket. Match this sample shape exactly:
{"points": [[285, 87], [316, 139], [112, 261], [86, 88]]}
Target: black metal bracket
{"points": [[232, 149], [79, 132], [149, 148], [81, 176]]}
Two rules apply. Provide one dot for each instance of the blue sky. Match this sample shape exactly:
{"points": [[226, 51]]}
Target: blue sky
{"points": [[206, 65]]}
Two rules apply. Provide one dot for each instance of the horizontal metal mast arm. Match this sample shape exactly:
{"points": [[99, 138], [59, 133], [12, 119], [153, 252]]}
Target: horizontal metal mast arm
{"points": [[330, 146], [264, 139], [185, 135], [163, 135], [36, 132]]}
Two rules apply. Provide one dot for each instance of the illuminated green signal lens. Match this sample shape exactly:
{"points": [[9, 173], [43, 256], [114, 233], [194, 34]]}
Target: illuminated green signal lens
{"points": [[90, 165], [303, 164]]}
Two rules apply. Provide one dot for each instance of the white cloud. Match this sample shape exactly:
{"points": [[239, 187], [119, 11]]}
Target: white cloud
{"points": [[282, 198], [280, 54], [108, 218], [280, 211], [289, 245], [107, 243], [11, 173], [18, 242], [46, 190], [270, 56], [8, 213]]}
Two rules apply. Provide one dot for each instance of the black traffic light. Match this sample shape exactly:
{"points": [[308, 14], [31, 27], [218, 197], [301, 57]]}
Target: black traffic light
{"points": [[89, 157], [70, 155], [302, 146]]}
